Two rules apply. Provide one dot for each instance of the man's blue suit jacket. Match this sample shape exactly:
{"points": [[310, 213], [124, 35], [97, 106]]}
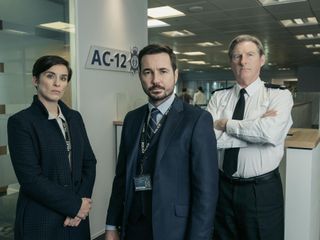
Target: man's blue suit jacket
{"points": [[185, 181]]}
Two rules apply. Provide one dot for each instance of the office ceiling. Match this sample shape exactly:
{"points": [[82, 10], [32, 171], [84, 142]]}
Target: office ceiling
{"points": [[222, 20]]}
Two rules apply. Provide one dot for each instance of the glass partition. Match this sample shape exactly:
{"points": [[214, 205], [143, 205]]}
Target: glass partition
{"points": [[28, 30]]}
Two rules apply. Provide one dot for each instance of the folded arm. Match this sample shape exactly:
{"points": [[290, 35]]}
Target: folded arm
{"points": [[269, 128]]}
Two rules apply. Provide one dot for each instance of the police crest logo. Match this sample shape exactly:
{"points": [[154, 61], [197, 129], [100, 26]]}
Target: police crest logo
{"points": [[134, 61]]}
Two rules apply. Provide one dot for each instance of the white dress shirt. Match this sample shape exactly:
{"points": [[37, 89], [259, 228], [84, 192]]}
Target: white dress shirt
{"points": [[260, 139], [163, 107], [59, 119]]}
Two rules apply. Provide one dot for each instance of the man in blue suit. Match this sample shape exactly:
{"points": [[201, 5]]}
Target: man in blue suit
{"points": [[166, 181]]}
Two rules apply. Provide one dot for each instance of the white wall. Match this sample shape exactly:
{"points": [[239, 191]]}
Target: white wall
{"points": [[117, 24]]}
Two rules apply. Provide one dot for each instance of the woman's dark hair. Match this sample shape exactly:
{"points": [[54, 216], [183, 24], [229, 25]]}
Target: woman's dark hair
{"points": [[45, 62], [157, 48]]}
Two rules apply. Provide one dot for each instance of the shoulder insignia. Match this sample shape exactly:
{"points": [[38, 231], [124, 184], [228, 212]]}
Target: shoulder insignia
{"points": [[220, 89], [275, 86]]}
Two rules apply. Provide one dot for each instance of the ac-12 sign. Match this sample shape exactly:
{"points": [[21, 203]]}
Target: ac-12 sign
{"points": [[108, 59]]}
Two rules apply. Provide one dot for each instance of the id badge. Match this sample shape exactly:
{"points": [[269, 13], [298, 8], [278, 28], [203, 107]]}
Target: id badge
{"points": [[142, 183]]}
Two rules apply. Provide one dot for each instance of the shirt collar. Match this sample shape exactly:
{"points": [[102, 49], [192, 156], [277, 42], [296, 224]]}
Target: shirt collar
{"points": [[252, 88], [51, 116], [163, 107]]}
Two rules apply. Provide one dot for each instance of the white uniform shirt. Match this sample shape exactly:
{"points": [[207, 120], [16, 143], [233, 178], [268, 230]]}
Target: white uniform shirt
{"points": [[261, 140], [199, 98]]}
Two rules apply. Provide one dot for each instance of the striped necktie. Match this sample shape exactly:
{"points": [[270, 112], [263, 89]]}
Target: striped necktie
{"points": [[152, 124]]}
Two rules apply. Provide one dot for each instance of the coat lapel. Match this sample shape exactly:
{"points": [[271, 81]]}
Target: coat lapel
{"points": [[74, 136], [172, 122]]}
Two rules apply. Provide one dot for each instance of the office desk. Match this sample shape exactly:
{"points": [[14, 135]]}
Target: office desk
{"points": [[302, 185]]}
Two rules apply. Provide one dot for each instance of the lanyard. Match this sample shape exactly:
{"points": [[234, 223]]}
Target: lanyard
{"points": [[67, 135], [146, 144], [67, 138]]}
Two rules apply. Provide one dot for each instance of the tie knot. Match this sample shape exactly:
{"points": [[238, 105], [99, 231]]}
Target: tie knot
{"points": [[242, 91], [152, 123], [154, 113]]}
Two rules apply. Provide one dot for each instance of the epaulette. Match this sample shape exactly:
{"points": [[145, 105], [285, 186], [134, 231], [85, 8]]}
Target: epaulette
{"points": [[220, 89], [275, 86]]}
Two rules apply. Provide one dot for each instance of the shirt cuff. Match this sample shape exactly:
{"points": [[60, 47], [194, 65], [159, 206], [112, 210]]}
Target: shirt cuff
{"points": [[111, 227]]}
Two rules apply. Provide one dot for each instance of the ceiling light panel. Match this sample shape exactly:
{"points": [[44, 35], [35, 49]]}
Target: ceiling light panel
{"points": [[299, 22], [164, 12], [59, 26], [183, 33], [183, 60], [277, 2], [284, 69], [313, 46], [16, 32], [308, 36], [209, 44], [198, 62], [154, 23], [194, 53]]}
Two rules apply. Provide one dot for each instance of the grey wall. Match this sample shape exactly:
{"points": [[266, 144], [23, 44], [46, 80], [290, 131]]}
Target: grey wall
{"points": [[105, 96]]}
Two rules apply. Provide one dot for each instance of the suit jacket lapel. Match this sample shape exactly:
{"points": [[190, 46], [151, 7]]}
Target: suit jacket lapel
{"points": [[172, 122]]}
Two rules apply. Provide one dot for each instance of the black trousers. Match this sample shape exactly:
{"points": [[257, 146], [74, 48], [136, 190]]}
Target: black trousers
{"points": [[250, 211]]}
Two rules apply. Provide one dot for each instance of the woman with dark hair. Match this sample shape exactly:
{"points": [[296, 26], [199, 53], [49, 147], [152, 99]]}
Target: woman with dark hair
{"points": [[52, 159]]}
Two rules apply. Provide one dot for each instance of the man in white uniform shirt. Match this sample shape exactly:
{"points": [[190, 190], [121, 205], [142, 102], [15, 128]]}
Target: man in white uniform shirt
{"points": [[199, 98], [251, 120]]}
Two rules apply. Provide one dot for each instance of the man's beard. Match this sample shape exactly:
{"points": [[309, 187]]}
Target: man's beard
{"points": [[152, 97]]}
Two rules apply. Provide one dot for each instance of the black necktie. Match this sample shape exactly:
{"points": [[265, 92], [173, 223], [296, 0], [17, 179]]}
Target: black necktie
{"points": [[230, 162], [152, 124]]}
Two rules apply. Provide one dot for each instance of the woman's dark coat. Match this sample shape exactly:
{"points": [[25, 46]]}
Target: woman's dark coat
{"points": [[50, 190]]}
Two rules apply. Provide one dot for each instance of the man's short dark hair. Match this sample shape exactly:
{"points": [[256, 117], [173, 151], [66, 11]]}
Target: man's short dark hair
{"points": [[45, 62], [157, 48]]}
